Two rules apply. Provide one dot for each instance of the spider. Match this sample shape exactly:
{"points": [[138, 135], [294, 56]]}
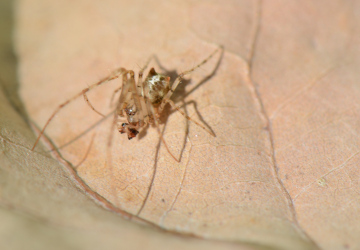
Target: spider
{"points": [[139, 103]]}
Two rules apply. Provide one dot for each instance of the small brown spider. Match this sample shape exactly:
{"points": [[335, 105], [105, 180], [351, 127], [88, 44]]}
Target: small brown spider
{"points": [[139, 103]]}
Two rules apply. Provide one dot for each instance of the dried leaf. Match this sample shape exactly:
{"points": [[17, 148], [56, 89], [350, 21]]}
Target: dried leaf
{"points": [[282, 100]]}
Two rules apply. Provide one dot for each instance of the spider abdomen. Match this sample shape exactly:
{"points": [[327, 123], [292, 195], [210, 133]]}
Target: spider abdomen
{"points": [[157, 85]]}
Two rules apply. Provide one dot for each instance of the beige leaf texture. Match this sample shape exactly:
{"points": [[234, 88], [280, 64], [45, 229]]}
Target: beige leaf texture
{"points": [[281, 97]]}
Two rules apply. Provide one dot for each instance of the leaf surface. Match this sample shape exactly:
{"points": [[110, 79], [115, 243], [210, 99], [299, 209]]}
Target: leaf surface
{"points": [[282, 100]]}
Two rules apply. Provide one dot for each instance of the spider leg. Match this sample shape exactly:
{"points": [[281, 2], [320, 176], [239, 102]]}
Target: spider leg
{"points": [[124, 96], [87, 152], [139, 80], [136, 97], [117, 73], [122, 102], [108, 150], [128, 95], [144, 110], [90, 105], [180, 77], [141, 88], [189, 118], [113, 95], [143, 102], [159, 132]]}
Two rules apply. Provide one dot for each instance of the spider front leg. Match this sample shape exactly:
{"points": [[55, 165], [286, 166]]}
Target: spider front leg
{"points": [[130, 107], [115, 74], [141, 89]]}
